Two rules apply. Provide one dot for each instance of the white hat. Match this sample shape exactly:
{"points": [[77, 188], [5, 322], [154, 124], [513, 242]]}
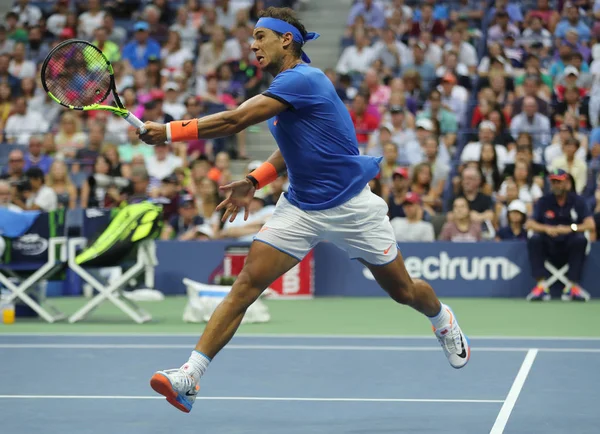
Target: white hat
{"points": [[571, 70], [425, 123], [489, 125], [518, 205], [171, 85]]}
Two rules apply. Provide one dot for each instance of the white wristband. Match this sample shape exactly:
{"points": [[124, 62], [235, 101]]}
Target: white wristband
{"points": [[168, 132]]}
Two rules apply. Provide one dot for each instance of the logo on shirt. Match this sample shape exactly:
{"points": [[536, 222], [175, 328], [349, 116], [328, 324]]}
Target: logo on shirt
{"points": [[275, 122], [549, 214]]}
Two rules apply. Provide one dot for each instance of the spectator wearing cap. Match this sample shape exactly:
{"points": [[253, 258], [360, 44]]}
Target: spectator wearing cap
{"points": [[356, 58], [399, 188], [472, 151], [569, 78], [427, 22], [462, 228], [167, 194], [454, 96], [419, 64], [447, 119], [515, 230], [572, 21], [569, 164], [139, 51], [372, 13], [467, 55], [172, 104], [392, 52], [532, 122], [559, 221], [412, 227], [183, 225], [503, 26]]}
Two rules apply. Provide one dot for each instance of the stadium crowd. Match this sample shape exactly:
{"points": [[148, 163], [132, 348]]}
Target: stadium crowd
{"points": [[470, 103]]}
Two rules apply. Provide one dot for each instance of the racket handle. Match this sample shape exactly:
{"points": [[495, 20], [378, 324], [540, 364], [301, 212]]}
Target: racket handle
{"points": [[133, 120]]}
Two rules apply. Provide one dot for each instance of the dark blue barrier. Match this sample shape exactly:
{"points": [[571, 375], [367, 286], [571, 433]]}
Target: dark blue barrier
{"points": [[454, 269]]}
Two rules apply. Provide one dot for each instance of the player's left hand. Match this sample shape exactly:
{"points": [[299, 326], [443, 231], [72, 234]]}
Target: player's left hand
{"points": [[240, 194], [155, 133]]}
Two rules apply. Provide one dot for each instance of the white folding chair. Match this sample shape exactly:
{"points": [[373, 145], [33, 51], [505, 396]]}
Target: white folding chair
{"points": [[113, 291], [25, 287], [560, 274]]}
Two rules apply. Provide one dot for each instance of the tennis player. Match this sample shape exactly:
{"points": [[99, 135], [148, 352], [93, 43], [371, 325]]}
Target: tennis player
{"points": [[328, 198]]}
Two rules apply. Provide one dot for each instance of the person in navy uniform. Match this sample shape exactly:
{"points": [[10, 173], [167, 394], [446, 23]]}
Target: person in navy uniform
{"points": [[559, 221]]}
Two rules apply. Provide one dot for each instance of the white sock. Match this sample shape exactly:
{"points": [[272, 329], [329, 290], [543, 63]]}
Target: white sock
{"points": [[196, 365], [442, 319]]}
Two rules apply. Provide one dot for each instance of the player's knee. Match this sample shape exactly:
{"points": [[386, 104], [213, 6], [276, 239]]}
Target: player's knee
{"points": [[405, 293], [244, 291]]}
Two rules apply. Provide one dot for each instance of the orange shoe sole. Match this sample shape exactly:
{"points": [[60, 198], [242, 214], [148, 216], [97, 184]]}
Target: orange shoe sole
{"points": [[162, 385]]}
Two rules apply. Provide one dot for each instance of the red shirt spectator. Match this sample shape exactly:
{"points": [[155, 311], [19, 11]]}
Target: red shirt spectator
{"points": [[364, 123], [428, 24]]}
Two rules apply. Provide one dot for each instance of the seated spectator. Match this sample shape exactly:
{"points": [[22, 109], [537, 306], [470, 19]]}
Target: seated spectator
{"points": [[364, 122], [183, 226], [207, 200], [35, 195], [572, 21], [392, 52], [427, 22], [163, 162], [372, 12], [58, 180], [515, 230], [19, 66], [531, 88], [480, 204], [462, 228], [448, 120], [140, 184], [575, 106], [16, 166], [495, 60], [454, 96], [472, 151], [245, 230], [532, 122], [503, 27], [94, 188], [451, 65], [91, 19], [420, 64], [555, 149], [358, 57], [35, 157], [488, 163], [440, 168], [6, 197], [139, 51], [559, 221], [399, 188], [535, 32], [511, 193], [569, 164], [467, 55], [545, 13], [70, 137], [23, 123], [134, 146], [412, 228], [421, 184], [529, 191], [389, 163]]}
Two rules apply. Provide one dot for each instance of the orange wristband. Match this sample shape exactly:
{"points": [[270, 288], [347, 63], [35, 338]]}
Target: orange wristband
{"points": [[264, 174], [182, 131]]}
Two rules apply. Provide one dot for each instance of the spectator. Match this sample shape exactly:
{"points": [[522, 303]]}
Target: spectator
{"points": [[419, 64], [502, 201], [6, 45], [140, 183], [115, 34], [412, 228], [454, 96], [502, 28], [168, 196], [6, 76], [439, 166], [488, 163], [472, 151], [212, 53], [555, 150], [275, 190], [536, 33], [70, 137], [29, 15], [16, 163], [58, 180], [480, 204], [467, 55], [5, 103], [427, 22], [139, 51], [447, 119], [545, 13], [372, 13], [524, 152], [358, 57], [400, 186], [245, 230], [23, 123], [531, 88], [35, 157], [158, 30], [390, 51], [569, 164], [532, 122], [461, 228], [93, 190], [37, 195], [421, 184], [572, 21], [133, 147], [559, 222], [19, 66], [6, 197], [529, 192], [515, 230], [183, 226], [207, 201], [163, 162], [87, 156], [91, 19], [364, 123], [108, 48]]}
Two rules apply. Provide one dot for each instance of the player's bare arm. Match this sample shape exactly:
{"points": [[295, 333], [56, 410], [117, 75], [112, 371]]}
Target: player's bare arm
{"points": [[255, 110]]}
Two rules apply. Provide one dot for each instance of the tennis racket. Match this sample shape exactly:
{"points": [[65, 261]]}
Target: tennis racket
{"points": [[77, 75]]}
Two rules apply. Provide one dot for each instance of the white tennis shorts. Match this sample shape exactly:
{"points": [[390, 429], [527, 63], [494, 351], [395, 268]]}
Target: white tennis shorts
{"points": [[360, 226]]}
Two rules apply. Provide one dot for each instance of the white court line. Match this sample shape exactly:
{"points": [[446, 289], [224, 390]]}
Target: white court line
{"points": [[287, 348], [298, 336], [513, 394], [260, 398]]}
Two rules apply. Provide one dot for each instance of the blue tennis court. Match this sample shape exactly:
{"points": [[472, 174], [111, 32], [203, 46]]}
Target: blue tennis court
{"points": [[300, 384]]}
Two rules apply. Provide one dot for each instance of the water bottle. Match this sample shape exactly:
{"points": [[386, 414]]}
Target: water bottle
{"points": [[7, 308]]}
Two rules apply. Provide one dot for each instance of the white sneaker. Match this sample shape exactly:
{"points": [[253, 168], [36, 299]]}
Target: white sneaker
{"points": [[454, 343], [179, 388]]}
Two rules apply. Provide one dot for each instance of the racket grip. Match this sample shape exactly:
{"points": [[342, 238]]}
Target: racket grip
{"points": [[133, 120]]}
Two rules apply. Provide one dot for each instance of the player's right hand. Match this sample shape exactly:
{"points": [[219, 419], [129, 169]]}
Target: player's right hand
{"points": [[240, 194]]}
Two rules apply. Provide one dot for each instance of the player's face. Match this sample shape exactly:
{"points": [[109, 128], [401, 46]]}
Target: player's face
{"points": [[267, 47]]}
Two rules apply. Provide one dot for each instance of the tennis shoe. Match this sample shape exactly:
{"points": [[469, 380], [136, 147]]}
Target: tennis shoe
{"points": [[454, 342], [539, 293], [178, 387], [575, 293]]}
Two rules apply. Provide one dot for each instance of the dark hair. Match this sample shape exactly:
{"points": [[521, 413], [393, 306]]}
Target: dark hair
{"points": [[35, 173], [289, 16]]}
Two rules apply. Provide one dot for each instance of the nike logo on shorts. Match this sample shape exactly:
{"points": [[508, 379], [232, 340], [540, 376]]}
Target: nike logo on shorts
{"points": [[386, 251]]}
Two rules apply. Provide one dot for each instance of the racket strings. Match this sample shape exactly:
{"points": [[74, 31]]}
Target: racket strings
{"points": [[78, 75]]}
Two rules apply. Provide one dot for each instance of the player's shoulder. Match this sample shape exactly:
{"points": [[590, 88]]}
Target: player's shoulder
{"points": [[302, 71]]}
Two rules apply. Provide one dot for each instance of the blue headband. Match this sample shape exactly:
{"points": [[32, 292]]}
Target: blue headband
{"points": [[282, 27]]}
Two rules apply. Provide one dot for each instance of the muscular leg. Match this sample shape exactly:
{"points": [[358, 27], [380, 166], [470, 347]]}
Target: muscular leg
{"points": [[396, 281], [263, 265]]}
